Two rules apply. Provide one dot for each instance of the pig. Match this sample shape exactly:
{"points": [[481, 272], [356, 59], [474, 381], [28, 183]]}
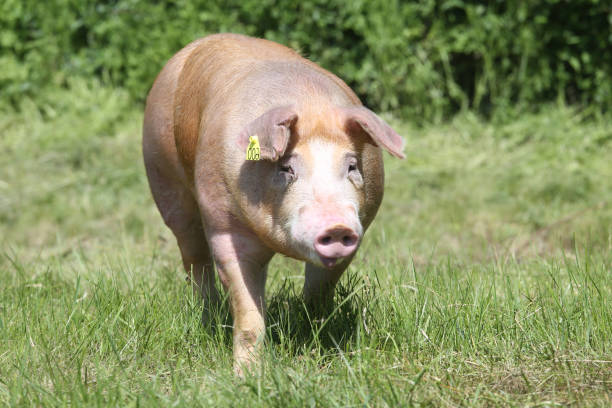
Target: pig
{"points": [[311, 195]]}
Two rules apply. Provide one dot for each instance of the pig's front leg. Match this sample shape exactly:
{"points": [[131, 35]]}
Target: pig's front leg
{"points": [[242, 265], [319, 286]]}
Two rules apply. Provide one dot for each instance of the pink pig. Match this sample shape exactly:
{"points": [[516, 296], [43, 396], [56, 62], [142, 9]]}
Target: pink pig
{"points": [[311, 196]]}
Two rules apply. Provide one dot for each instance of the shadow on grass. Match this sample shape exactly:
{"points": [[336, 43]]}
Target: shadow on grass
{"points": [[298, 328]]}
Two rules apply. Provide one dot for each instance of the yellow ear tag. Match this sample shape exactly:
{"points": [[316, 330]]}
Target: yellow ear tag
{"points": [[253, 152]]}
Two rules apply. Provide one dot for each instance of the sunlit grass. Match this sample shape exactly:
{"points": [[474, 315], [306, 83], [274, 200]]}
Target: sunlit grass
{"points": [[485, 279]]}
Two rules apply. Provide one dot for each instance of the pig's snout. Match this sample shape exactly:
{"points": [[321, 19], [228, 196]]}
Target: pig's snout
{"points": [[336, 242]]}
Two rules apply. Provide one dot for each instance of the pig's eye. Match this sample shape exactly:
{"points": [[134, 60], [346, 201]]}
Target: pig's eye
{"points": [[352, 165], [353, 173], [287, 169], [286, 174]]}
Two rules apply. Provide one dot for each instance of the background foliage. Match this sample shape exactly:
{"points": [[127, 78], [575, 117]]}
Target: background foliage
{"points": [[484, 280], [420, 60]]}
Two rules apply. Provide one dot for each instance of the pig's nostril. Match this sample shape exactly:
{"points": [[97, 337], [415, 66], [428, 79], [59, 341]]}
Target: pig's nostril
{"points": [[325, 240], [348, 240]]}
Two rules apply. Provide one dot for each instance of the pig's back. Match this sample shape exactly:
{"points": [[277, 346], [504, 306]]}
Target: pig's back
{"points": [[229, 79]]}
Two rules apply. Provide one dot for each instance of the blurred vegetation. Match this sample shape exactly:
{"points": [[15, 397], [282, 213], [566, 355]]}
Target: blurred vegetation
{"points": [[420, 60], [484, 281]]}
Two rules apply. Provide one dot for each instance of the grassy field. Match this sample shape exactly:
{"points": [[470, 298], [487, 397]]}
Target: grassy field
{"points": [[485, 280]]}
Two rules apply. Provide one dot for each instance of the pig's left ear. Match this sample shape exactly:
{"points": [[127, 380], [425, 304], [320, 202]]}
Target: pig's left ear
{"points": [[273, 129], [359, 118]]}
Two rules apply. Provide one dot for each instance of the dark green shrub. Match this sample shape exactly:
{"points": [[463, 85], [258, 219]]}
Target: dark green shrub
{"points": [[422, 60]]}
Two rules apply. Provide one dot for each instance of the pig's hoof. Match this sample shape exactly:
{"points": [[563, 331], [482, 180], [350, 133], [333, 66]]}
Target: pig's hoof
{"points": [[239, 370], [211, 315], [207, 318], [321, 301], [245, 367]]}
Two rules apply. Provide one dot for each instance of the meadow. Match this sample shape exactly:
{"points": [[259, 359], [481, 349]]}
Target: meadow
{"points": [[484, 281]]}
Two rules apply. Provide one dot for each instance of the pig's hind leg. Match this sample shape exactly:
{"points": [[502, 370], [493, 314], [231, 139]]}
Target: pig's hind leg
{"points": [[181, 214]]}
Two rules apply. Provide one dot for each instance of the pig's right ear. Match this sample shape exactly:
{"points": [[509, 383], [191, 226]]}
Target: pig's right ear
{"points": [[362, 119], [273, 130]]}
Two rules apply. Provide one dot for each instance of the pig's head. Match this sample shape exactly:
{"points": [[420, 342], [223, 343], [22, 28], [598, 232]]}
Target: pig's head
{"points": [[320, 179]]}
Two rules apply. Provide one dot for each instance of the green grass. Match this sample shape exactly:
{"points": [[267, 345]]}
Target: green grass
{"points": [[485, 280]]}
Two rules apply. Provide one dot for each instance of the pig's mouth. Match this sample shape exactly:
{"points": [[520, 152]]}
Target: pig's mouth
{"points": [[329, 262]]}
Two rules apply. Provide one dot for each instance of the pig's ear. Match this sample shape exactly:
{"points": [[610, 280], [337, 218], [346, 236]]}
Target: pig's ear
{"points": [[273, 130], [359, 118]]}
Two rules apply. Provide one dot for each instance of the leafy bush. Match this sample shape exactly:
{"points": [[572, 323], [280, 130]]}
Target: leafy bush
{"points": [[421, 60]]}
